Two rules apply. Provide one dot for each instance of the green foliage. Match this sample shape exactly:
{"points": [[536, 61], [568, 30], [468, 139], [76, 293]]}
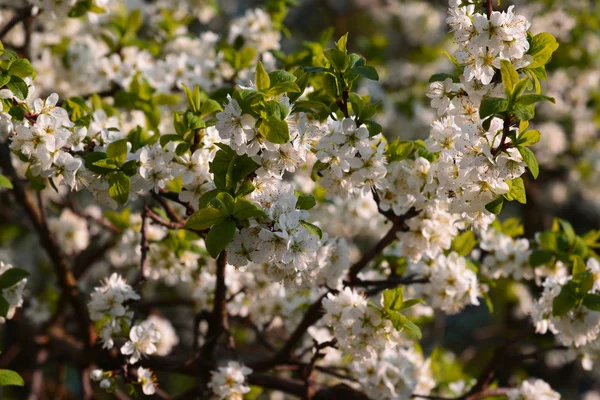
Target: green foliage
{"points": [[495, 206], [222, 214], [232, 172], [398, 150], [563, 244], [8, 279], [393, 304], [464, 243], [305, 202], [516, 191], [5, 182], [10, 378]]}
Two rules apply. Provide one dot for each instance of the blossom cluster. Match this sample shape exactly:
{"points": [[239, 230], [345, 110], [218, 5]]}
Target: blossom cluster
{"points": [[229, 382], [109, 309], [579, 326], [358, 327]]}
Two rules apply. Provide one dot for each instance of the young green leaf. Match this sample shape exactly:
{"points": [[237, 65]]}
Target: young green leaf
{"points": [[117, 151], [528, 138], [530, 160], [5, 182], [119, 185], [219, 236], [495, 206], [315, 230], [261, 78], [510, 76], [517, 191], [464, 243], [10, 378], [245, 209], [492, 105], [205, 218], [12, 276], [275, 130]]}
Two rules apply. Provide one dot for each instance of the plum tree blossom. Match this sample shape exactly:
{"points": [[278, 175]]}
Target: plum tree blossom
{"points": [[203, 193]]}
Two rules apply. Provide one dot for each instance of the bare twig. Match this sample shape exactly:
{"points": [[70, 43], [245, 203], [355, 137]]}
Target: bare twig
{"points": [[19, 16]]}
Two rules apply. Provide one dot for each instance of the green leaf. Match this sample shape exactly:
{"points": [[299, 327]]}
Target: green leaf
{"points": [[398, 151], [530, 160], [10, 378], [510, 76], [442, 77], [400, 322], [305, 202], [5, 182], [209, 106], [578, 265], [106, 165], [366, 71], [117, 151], [464, 243], [392, 299], [223, 202], [342, 43], [275, 130], [193, 98], [12, 276], [410, 303], [245, 189], [540, 257], [261, 78], [80, 8], [119, 185], [4, 79], [316, 69], [166, 99], [524, 112], [134, 22], [119, 219], [207, 197], [205, 218], [313, 229], [565, 301], [528, 99], [18, 87], [567, 228], [541, 48], [219, 236], [528, 138], [337, 58], [491, 106], [517, 191], [280, 76], [592, 302], [373, 127], [245, 209], [21, 68], [495, 206]]}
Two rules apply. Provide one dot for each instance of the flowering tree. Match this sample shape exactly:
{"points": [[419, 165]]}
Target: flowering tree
{"points": [[203, 215]]}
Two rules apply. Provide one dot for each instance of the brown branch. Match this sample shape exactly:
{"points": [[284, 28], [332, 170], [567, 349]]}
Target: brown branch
{"points": [[312, 315], [19, 16], [175, 198], [218, 323], [66, 279], [159, 220], [489, 8], [277, 383], [144, 250], [309, 369], [171, 213]]}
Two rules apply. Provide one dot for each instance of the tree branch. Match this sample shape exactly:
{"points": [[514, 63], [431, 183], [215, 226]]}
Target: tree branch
{"points": [[66, 279]]}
